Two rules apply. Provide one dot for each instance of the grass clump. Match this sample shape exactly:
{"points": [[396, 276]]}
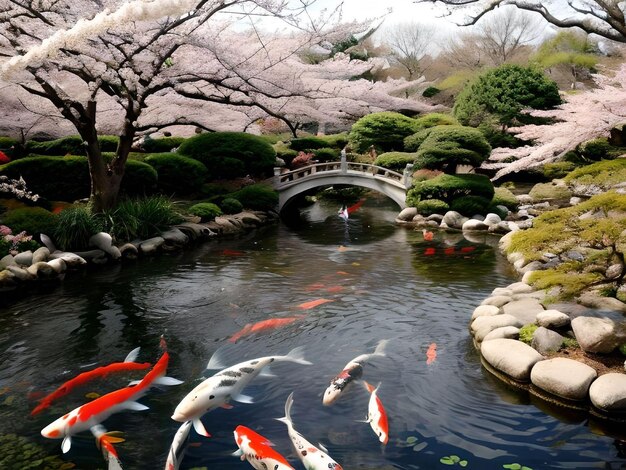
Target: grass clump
{"points": [[75, 225], [526, 333]]}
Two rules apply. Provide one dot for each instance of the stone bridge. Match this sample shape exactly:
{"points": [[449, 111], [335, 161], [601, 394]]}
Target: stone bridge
{"points": [[383, 180]]}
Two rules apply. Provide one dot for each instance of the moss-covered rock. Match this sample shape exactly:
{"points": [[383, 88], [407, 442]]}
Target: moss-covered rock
{"points": [[549, 192], [504, 197], [598, 177]]}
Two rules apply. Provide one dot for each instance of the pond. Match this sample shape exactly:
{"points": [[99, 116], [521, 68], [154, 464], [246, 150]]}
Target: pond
{"points": [[381, 281]]}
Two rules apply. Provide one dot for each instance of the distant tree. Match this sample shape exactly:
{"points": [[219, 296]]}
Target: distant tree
{"points": [[464, 51], [409, 43]]}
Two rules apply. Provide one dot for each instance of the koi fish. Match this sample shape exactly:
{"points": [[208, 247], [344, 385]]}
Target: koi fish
{"points": [[376, 414], [312, 457], [335, 289], [468, 249], [217, 391], [85, 377], [352, 370], [257, 450], [104, 442], [343, 273], [316, 286], [175, 454], [448, 251], [343, 213], [90, 414], [313, 303], [269, 324], [427, 234], [228, 252], [431, 354], [356, 206], [429, 251]]}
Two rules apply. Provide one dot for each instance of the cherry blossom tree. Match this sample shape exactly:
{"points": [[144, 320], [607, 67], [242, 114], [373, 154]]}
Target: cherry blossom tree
{"points": [[583, 116], [114, 67]]}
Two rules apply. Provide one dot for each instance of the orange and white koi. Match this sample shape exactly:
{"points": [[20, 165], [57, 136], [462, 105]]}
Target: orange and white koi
{"points": [[352, 370], [83, 378], [431, 354], [105, 441], [257, 450], [313, 458], [376, 414], [217, 391], [177, 451], [269, 324], [313, 303], [90, 414]]}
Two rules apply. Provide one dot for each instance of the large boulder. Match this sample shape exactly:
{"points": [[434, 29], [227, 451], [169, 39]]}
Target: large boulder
{"points": [[598, 335], [41, 254], [563, 377], [453, 219], [512, 357], [546, 341], [25, 258], [552, 319], [608, 392], [485, 311], [525, 310], [407, 214], [482, 326], [474, 225], [510, 332]]}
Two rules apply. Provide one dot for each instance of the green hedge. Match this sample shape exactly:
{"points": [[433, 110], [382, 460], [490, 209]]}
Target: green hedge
{"points": [[386, 131], [72, 145], [326, 154], [177, 174], [67, 178], [432, 206], [470, 205], [595, 149], [447, 188], [32, 220], [231, 206], [218, 151], [395, 160], [162, 145], [435, 119], [307, 143], [412, 143], [445, 147], [207, 211], [257, 197]]}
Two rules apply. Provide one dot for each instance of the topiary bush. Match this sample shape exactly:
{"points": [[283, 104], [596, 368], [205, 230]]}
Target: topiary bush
{"points": [[207, 211], [595, 149], [396, 161], [140, 179], [177, 174], [386, 131], [445, 147], [307, 143], [257, 197], [412, 143], [450, 187], [213, 149], [72, 145], [423, 175], [470, 205], [75, 225], [326, 154], [432, 206], [32, 220], [435, 119], [162, 145], [335, 141], [231, 206]]}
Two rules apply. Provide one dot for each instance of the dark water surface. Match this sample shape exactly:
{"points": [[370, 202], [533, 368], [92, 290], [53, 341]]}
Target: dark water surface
{"points": [[385, 282]]}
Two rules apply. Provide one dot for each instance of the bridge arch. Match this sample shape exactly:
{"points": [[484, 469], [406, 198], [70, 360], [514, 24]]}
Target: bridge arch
{"points": [[391, 183]]}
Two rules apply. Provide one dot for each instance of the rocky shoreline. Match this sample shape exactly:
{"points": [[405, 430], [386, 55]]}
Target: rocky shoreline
{"points": [[49, 264]]}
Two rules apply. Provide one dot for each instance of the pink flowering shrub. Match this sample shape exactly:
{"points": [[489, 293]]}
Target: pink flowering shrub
{"points": [[13, 244], [301, 160]]}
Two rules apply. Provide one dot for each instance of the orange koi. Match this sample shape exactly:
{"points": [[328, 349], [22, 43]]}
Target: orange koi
{"points": [[343, 273], [468, 249], [356, 206], [257, 450], [93, 413], [316, 286], [449, 250], [228, 252], [88, 376], [376, 414], [431, 354], [269, 324], [429, 251], [427, 234], [313, 303], [335, 289]]}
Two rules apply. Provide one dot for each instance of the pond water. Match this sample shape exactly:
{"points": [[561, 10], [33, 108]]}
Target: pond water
{"points": [[383, 282]]}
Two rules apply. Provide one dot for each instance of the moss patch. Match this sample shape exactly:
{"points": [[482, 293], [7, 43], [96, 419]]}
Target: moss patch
{"points": [[604, 174], [548, 191]]}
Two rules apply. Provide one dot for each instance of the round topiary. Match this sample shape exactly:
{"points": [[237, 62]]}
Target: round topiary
{"points": [[432, 206], [177, 174], [307, 143], [207, 211], [255, 153], [231, 206], [140, 179], [32, 220], [435, 119], [386, 131], [450, 187], [396, 161], [257, 197], [470, 205], [326, 154], [412, 143], [162, 145]]}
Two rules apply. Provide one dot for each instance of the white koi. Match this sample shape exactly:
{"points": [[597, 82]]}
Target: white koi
{"points": [[312, 457], [376, 414], [217, 391], [352, 371], [175, 455]]}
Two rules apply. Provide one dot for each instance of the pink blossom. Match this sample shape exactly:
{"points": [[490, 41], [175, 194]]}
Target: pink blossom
{"points": [[4, 230]]}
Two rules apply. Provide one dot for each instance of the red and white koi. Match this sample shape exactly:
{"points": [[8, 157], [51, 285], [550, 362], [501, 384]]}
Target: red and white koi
{"points": [[176, 452], [105, 441], [353, 370], [81, 379], [313, 458], [257, 450], [90, 414], [431, 354], [217, 391], [376, 414]]}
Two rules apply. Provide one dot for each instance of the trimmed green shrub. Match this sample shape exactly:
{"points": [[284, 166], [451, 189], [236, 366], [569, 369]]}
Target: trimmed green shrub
{"points": [[75, 225], [140, 179], [595, 149], [231, 206], [257, 197], [177, 174], [326, 154], [449, 146], [450, 187], [284, 152], [210, 190], [386, 131], [72, 145], [12, 148], [108, 143], [412, 143], [307, 143], [424, 174], [432, 206], [162, 145], [470, 205], [435, 119], [430, 92], [501, 94], [207, 211], [213, 149], [7, 142], [32, 220], [336, 141], [395, 160], [504, 197]]}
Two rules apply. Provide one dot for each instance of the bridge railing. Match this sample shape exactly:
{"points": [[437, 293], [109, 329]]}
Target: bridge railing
{"points": [[281, 179]]}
